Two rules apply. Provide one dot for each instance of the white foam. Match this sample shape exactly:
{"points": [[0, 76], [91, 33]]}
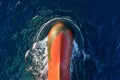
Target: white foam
{"points": [[40, 53], [38, 56], [85, 55]]}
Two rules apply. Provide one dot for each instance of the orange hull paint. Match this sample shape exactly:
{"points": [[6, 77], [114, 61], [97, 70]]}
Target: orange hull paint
{"points": [[60, 48]]}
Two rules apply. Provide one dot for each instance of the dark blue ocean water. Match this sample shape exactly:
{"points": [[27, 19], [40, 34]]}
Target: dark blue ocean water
{"points": [[100, 21]]}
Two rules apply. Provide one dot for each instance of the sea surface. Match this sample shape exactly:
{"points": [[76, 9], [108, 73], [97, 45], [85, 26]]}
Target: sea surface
{"points": [[98, 20]]}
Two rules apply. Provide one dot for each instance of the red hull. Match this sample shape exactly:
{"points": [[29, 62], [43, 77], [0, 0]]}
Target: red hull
{"points": [[59, 49]]}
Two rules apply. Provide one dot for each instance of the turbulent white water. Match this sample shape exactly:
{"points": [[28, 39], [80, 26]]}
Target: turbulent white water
{"points": [[37, 58]]}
